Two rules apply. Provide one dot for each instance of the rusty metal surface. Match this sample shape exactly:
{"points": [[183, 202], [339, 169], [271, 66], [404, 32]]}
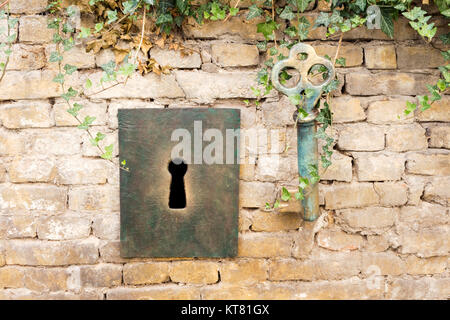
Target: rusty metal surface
{"points": [[208, 225]]}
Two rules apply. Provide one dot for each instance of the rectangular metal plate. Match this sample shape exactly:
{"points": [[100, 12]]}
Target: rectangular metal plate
{"points": [[208, 225]]}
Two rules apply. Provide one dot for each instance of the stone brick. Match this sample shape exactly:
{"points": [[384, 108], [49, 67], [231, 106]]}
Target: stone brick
{"points": [[106, 227], [406, 138], [146, 273], [63, 227], [197, 272], [337, 240], [11, 143], [235, 54], [361, 137], [150, 86], [26, 114], [17, 227], [353, 54], [428, 164], [256, 194], [243, 271], [94, 198], [81, 171], [101, 275], [419, 57], [110, 252], [353, 195], [372, 220], [115, 105], [325, 266], [387, 83], [433, 265], [27, 169], [340, 169], [28, 6], [379, 167], [278, 113], [32, 197], [95, 109], [77, 56], [377, 243], [25, 57], [25, 294], [2, 172], [166, 292], [380, 57], [38, 279], [205, 87], [36, 84], [55, 142], [392, 193], [402, 31], [418, 289], [386, 263], [2, 260], [428, 242], [274, 221], [50, 253], [176, 59], [263, 245], [272, 167], [439, 137], [34, 29], [424, 215], [438, 191], [387, 112], [347, 109], [439, 111]]}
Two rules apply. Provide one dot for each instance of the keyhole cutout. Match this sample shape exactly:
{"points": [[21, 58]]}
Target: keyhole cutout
{"points": [[177, 197]]}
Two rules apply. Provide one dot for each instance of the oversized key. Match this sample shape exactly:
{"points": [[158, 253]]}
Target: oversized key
{"points": [[303, 57]]}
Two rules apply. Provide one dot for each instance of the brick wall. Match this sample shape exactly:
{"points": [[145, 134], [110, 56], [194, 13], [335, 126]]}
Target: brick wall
{"points": [[384, 227]]}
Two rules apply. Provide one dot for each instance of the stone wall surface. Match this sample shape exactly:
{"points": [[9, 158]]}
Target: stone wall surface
{"points": [[384, 226]]}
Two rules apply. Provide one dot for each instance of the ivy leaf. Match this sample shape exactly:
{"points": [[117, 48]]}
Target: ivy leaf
{"points": [[75, 109], [446, 55], [127, 69], [303, 183], [254, 11], [387, 23], [112, 16], [109, 67], [303, 28], [285, 195], [88, 84], [68, 44], [71, 93], [59, 78], [70, 69], [295, 99], [98, 27], [88, 120], [217, 12], [322, 20], [410, 107], [234, 11], [267, 29], [130, 6], [164, 18], [340, 61], [303, 4], [287, 13], [108, 152], [85, 33], [299, 195], [55, 57]]}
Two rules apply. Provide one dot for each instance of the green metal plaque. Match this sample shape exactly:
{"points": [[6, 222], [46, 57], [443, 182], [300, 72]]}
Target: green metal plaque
{"points": [[185, 205]]}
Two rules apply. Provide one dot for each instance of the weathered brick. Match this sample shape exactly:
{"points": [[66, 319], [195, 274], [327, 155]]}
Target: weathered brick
{"points": [[377, 243], [77, 56], [25, 294], [353, 195], [272, 167], [274, 221], [387, 112], [428, 242], [94, 198], [387, 263], [243, 271], [50, 253], [438, 190], [424, 215], [418, 289], [340, 169], [11, 143], [63, 227], [372, 220], [419, 57], [278, 113], [38, 279], [439, 137], [392, 193], [433, 265], [101, 275], [380, 57], [32, 197], [146, 273], [34, 29], [106, 227], [347, 109], [95, 109], [197, 272], [429, 164], [176, 59], [337, 240], [257, 193], [235, 54], [379, 166], [30, 169], [110, 252], [406, 138], [263, 245], [17, 227], [166, 292], [25, 57], [361, 137], [2, 172], [324, 266], [387, 83], [81, 171], [28, 6], [205, 87], [439, 111], [353, 55], [26, 114], [55, 142]]}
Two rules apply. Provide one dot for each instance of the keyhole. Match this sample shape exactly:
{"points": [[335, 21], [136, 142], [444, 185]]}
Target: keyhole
{"points": [[177, 197]]}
